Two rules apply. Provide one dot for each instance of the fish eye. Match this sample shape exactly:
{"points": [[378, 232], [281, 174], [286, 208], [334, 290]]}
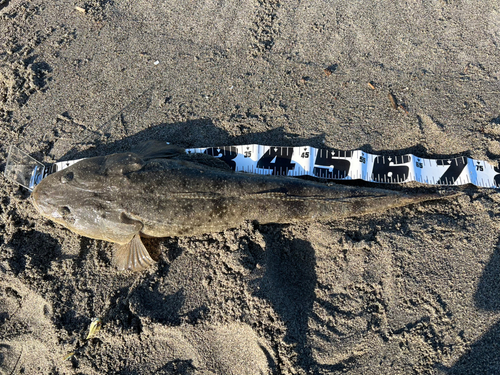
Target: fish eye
{"points": [[64, 211], [67, 177]]}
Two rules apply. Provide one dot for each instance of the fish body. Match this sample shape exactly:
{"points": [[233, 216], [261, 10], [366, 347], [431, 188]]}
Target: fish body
{"points": [[158, 192]]}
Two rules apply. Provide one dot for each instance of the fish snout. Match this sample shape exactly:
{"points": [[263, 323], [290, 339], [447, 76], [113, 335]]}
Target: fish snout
{"points": [[37, 202], [35, 199], [40, 200]]}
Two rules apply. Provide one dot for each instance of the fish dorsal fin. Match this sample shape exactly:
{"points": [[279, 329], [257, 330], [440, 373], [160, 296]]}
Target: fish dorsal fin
{"points": [[205, 161], [157, 150], [132, 256], [118, 164]]}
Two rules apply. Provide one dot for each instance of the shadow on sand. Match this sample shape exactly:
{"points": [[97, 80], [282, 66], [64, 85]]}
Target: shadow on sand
{"points": [[483, 356], [288, 284]]}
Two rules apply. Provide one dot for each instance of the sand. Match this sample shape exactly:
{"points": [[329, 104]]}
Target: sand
{"points": [[413, 290]]}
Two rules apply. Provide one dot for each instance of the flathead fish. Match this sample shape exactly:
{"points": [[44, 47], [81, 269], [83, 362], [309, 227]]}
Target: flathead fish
{"points": [[159, 191]]}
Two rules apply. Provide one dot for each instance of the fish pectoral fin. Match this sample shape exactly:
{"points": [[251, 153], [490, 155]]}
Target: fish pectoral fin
{"points": [[132, 256]]}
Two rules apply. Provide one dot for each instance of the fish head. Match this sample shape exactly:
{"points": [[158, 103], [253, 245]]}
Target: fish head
{"points": [[85, 197]]}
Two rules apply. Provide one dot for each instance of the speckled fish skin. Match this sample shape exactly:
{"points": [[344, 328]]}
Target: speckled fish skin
{"points": [[119, 196]]}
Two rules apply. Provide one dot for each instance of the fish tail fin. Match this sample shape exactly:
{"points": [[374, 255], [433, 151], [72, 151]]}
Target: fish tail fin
{"points": [[132, 256]]}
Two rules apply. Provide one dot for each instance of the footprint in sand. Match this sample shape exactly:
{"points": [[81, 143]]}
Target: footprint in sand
{"points": [[27, 341], [231, 349], [437, 139]]}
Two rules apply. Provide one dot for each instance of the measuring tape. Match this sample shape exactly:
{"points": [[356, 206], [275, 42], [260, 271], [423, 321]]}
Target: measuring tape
{"points": [[352, 165], [307, 161]]}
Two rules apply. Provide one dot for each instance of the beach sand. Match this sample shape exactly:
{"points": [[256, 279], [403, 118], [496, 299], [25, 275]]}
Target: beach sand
{"points": [[414, 290]]}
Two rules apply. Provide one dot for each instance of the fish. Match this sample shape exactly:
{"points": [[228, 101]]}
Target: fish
{"points": [[158, 190]]}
